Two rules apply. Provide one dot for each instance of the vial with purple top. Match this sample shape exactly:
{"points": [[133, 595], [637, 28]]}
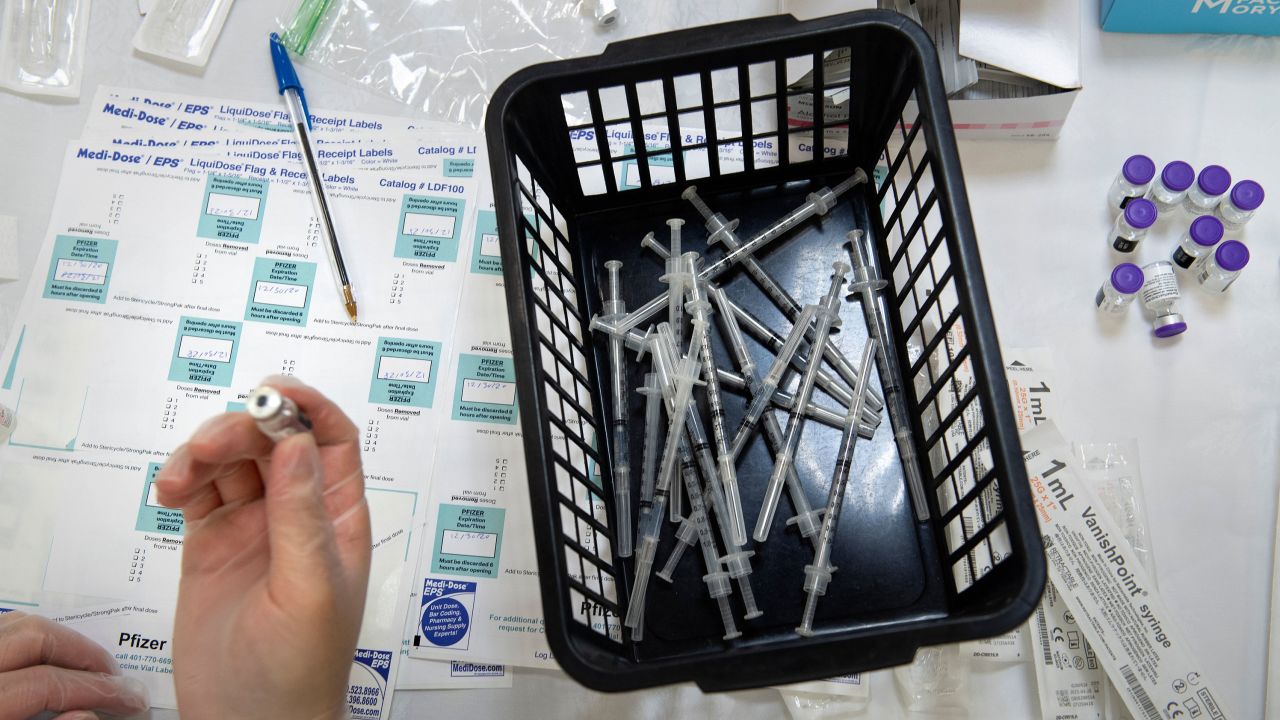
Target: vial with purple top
{"points": [[1119, 289], [1217, 271], [1202, 197], [1237, 208], [1168, 190], [1132, 182], [1197, 241], [1160, 296], [1132, 224]]}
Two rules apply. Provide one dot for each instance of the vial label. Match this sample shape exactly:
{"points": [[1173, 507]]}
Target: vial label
{"points": [[1160, 286], [1102, 295], [1182, 259], [1123, 244]]}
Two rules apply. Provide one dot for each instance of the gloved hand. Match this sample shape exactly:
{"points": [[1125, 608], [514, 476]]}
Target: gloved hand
{"points": [[275, 564], [45, 666]]}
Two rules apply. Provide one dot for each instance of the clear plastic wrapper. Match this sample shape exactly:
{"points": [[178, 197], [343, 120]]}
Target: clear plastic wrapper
{"points": [[838, 697], [182, 30], [446, 57], [42, 46], [936, 682], [1112, 472]]}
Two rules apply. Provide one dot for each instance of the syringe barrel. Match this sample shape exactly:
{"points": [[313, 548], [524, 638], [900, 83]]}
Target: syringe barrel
{"points": [[652, 418], [795, 423]]}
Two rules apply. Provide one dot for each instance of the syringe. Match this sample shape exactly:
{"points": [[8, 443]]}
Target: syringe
{"points": [[737, 560], [700, 307], [800, 361], [677, 279], [817, 203], [783, 400], [763, 398], [649, 523], [636, 340], [865, 285], [718, 585], [652, 418], [722, 230], [805, 519], [612, 308], [817, 575], [825, 316], [870, 418]]}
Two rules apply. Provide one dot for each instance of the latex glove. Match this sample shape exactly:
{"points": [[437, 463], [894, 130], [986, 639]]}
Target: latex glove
{"points": [[45, 666], [275, 564]]}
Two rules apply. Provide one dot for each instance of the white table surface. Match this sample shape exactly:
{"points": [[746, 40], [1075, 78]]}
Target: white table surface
{"points": [[1202, 406]]}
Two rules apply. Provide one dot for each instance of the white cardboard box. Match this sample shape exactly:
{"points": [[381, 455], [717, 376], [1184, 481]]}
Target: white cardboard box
{"points": [[1038, 40]]}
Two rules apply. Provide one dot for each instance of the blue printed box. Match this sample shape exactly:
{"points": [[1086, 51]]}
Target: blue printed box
{"points": [[1251, 17]]}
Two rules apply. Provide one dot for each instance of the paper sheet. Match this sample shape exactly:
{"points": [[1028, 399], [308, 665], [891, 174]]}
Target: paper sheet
{"points": [[8, 248], [176, 275]]}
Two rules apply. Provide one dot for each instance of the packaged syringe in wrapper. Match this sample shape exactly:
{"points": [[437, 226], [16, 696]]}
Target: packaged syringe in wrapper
{"points": [[1101, 580]]}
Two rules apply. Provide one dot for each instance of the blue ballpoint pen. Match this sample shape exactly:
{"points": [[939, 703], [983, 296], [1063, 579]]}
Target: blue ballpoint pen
{"points": [[296, 101]]}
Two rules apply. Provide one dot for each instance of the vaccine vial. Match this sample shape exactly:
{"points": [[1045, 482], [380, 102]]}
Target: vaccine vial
{"points": [[1197, 241], [1160, 296], [7, 421], [1119, 289], [1202, 197], [1132, 224], [1237, 208], [277, 416], [1168, 190], [1132, 182], [1217, 271]]}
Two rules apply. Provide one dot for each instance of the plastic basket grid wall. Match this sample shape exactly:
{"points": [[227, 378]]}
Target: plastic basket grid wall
{"points": [[561, 324], [914, 250], [947, 404]]}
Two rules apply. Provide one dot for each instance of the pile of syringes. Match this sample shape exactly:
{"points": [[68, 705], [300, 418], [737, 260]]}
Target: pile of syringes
{"points": [[685, 463]]}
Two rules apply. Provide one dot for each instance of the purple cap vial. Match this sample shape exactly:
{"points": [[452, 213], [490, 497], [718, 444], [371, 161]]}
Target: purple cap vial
{"points": [[1214, 180], [1232, 256], [1140, 213], [1178, 176], [1127, 278], [1168, 326], [1247, 195], [1206, 230], [1139, 169]]}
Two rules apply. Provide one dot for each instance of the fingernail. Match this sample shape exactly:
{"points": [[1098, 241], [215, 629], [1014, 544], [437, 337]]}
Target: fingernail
{"points": [[306, 460], [175, 468], [132, 691]]}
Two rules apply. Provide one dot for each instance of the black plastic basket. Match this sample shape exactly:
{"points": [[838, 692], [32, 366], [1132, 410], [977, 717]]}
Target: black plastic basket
{"points": [[976, 569]]}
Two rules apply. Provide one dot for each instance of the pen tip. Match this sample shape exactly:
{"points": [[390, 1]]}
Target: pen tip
{"points": [[351, 310]]}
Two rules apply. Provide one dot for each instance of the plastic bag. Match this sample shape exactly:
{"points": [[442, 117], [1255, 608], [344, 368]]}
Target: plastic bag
{"points": [[42, 46], [448, 56], [182, 30], [821, 706], [837, 697], [1112, 472], [937, 682]]}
